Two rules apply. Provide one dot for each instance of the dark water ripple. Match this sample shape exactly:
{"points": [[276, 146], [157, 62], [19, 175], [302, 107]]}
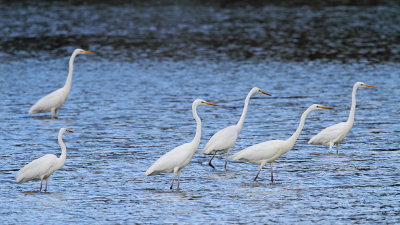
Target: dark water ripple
{"points": [[345, 33]]}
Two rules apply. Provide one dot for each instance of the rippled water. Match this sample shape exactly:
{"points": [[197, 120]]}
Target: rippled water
{"points": [[126, 112]]}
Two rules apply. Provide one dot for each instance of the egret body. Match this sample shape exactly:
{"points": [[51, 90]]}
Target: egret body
{"points": [[226, 138], [53, 101], [43, 167], [269, 151], [176, 159], [334, 135]]}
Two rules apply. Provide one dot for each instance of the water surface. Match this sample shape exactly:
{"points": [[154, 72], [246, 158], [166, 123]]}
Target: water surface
{"points": [[127, 108]]}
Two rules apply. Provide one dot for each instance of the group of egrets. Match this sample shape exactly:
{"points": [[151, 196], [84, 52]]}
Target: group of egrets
{"points": [[176, 159]]}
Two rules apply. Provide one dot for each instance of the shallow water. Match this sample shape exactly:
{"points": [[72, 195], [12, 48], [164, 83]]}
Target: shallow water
{"points": [[126, 113]]}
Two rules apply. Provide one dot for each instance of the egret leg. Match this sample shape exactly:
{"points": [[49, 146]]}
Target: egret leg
{"points": [[172, 183], [54, 113], [337, 148], [330, 146], [272, 173], [45, 187], [259, 170], [41, 182], [179, 178], [227, 157], [209, 162]]}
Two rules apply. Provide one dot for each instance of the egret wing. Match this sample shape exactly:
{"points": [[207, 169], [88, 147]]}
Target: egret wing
{"points": [[329, 134], [53, 100], [222, 140], [268, 150], [36, 169], [177, 157]]}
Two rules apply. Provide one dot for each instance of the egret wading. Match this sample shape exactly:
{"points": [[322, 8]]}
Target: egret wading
{"points": [[176, 159], [226, 138], [334, 135], [43, 167], [269, 151], [53, 101]]}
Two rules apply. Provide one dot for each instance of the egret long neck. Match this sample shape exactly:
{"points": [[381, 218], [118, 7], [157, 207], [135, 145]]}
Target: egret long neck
{"points": [[295, 135], [246, 106], [353, 105], [68, 82], [63, 150], [196, 139]]}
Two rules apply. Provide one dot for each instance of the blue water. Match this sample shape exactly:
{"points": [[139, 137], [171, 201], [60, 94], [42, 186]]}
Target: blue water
{"points": [[126, 112]]}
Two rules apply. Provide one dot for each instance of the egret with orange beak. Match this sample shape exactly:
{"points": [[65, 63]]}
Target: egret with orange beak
{"points": [[269, 151], [176, 159], [53, 101], [226, 138], [43, 167], [334, 135]]}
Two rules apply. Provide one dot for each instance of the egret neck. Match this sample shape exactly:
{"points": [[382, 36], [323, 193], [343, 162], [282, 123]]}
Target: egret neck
{"points": [[63, 156], [353, 105], [196, 139], [68, 82], [292, 140], [246, 106]]}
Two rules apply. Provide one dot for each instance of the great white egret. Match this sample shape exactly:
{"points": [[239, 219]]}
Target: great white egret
{"points": [[43, 167], [334, 135], [269, 151], [53, 101], [224, 139], [176, 159]]}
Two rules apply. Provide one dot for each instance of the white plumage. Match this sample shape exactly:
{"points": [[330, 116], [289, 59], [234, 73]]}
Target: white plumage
{"points": [[332, 135], [335, 134], [43, 167], [176, 159], [172, 161], [38, 169], [226, 138], [53, 101], [262, 152], [223, 141]]}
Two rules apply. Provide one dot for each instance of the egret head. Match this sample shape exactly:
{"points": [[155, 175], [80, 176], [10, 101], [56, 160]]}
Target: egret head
{"points": [[361, 84], [81, 52], [65, 130], [258, 90], [202, 102]]}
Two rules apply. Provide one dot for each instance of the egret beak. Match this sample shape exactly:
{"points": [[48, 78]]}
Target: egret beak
{"points": [[88, 52], [367, 85], [68, 131], [265, 93], [324, 107], [209, 103]]}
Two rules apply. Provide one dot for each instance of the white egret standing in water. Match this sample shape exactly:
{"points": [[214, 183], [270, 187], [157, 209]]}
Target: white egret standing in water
{"points": [[43, 167], [334, 135], [224, 139], [269, 151], [53, 101], [176, 159]]}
